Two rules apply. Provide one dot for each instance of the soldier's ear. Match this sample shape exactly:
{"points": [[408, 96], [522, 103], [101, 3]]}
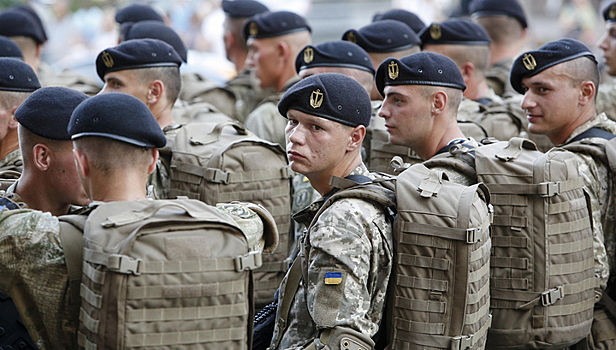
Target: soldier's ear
{"points": [[439, 102], [356, 137], [587, 92], [81, 161], [155, 92], [41, 156], [467, 70], [152, 165], [13, 122]]}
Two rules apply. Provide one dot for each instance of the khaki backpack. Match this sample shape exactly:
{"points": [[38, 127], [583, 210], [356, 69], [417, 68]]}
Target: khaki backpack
{"points": [[439, 292], [160, 274], [542, 266], [382, 151], [220, 163]]}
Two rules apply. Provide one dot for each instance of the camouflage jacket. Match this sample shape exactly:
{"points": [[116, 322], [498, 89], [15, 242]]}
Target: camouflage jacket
{"points": [[12, 161], [347, 251], [266, 122], [497, 76], [34, 273], [606, 100], [594, 174], [159, 181]]}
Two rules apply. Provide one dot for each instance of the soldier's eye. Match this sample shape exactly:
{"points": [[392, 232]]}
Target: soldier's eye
{"points": [[316, 127]]}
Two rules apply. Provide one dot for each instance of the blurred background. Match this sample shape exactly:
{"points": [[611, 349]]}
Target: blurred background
{"points": [[79, 29]]}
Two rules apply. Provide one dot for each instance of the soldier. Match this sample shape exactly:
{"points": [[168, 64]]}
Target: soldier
{"points": [[383, 39], [116, 139], [404, 16], [135, 13], [606, 96], [155, 30], [335, 291], [274, 39], [17, 82], [559, 81], [8, 48], [505, 22], [422, 94]]}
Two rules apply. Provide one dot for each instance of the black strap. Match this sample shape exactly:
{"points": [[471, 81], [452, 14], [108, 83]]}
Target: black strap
{"points": [[359, 179], [14, 334], [593, 132]]}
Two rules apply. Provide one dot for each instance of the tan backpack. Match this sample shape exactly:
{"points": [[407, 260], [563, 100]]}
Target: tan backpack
{"points": [[542, 267], [439, 293], [220, 163], [163, 274]]}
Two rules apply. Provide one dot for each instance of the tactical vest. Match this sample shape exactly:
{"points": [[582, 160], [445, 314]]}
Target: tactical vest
{"points": [[221, 163]]}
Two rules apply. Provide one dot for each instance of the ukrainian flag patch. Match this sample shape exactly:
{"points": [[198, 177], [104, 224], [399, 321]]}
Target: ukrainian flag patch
{"points": [[333, 277]]}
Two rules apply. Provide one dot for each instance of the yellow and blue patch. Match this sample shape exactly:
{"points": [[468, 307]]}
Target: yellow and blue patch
{"points": [[333, 277]]}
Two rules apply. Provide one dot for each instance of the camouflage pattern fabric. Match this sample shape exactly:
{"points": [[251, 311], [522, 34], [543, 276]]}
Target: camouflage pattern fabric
{"points": [[497, 76], [606, 100], [348, 260], [31, 252], [12, 161], [594, 174], [266, 122], [159, 181]]}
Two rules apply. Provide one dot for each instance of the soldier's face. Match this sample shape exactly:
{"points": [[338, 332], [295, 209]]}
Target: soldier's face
{"points": [[408, 119], [551, 103], [68, 185], [315, 146], [6, 120], [125, 81], [264, 56], [607, 43]]}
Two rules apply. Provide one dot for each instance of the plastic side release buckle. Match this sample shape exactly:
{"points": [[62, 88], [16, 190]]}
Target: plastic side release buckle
{"points": [[472, 235], [551, 296], [549, 189], [462, 342], [124, 264], [218, 176], [250, 261]]}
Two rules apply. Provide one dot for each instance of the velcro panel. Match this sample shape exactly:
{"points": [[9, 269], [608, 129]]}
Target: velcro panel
{"points": [[186, 313], [422, 283], [179, 291]]}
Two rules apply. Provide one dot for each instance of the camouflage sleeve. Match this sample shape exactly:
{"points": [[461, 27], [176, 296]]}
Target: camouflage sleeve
{"points": [[598, 197], [606, 100], [349, 264], [267, 123], [256, 223], [158, 182]]}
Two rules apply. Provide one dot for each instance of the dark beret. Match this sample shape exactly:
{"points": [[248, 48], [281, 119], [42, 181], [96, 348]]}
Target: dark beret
{"points": [[609, 13], [243, 8], [331, 96], [334, 54], [407, 17], [117, 116], [383, 36], [137, 13], [273, 24], [8, 48], [511, 8], [47, 111], [455, 31], [532, 63], [15, 22], [16, 75], [137, 53], [36, 17], [155, 30], [422, 68]]}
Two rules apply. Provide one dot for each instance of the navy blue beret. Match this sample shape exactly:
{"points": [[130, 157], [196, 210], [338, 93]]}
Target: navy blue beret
{"points": [[273, 24], [16, 22], [16, 75], [383, 36], [8, 48], [609, 13], [331, 96], [511, 8], [117, 116], [155, 30], [455, 31], [47, 111], [407, 17], [532, 63], [137, 53], [334, 54], [137, 13], [243, 8], [36, 17], [422, 68]]}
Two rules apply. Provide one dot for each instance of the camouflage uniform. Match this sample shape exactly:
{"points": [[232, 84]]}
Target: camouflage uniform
{"points": [[12, 161], [497, 76], [31, 252], [354, 238], [606, 100], [594, 174], [266, 122]]}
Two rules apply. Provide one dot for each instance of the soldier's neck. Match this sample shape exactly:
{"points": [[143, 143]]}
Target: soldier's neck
{"points": [[38, 195], [121, 186], [320, 181], [477, 90], [9, 143]]}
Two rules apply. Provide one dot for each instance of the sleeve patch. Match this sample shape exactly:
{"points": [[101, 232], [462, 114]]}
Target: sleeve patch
{"points": [[333, 277]]}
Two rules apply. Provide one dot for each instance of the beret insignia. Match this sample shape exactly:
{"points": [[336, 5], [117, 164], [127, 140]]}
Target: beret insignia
{"points": [[107, 59], [308, 55], [435, 32], [393, 70], [529, 62], [253, 29], [316, 98], [352, 38]]}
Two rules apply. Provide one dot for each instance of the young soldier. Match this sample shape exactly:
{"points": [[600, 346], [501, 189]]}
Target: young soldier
{"points": [[559, 81], [274, 39], [422, 94], [335, 292], [116, 139]]}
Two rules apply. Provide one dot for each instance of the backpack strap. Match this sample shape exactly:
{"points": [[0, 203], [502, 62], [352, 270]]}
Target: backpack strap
{"points": [[593, 132], [71, 237], [294, 276]]}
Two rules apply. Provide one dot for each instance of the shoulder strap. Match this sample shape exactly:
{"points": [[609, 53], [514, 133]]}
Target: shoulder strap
{"points": [[294, 276], [593, 132], [71, 237]]}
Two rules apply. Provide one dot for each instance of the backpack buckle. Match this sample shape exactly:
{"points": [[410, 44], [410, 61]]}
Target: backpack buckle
{"points": [[549, 189], [124, 264], [551, 296], [472, 235], [462, 342], [250, 261]]}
